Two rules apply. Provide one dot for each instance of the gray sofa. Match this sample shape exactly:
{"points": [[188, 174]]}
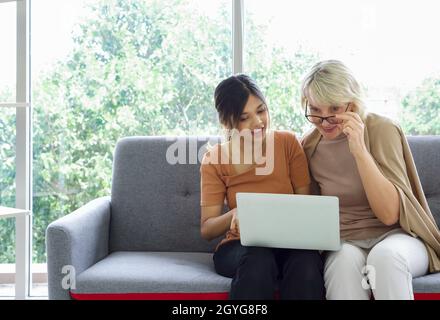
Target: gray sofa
{"points": [[144, 241]]}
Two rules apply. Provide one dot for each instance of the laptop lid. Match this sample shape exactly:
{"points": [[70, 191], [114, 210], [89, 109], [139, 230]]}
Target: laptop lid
{"points": [[288, 221]]}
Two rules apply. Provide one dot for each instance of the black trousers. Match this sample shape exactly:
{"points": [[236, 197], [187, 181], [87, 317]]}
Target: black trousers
{"points": [[255, 272]]}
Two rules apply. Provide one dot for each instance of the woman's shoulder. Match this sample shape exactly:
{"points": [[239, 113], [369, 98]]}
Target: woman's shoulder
{"points": [[384, 135], [285, 136], [309, 133], [288, 140], [378, 125]]}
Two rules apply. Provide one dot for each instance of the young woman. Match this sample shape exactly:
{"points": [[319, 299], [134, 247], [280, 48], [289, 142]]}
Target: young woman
{"points": [[389, 235], [256, 271]]}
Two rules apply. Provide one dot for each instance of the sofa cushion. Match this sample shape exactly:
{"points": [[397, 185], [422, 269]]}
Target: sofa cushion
{"points": [[171, 275], [426, 153], [427, 284], [152, 272], [155, 203]]}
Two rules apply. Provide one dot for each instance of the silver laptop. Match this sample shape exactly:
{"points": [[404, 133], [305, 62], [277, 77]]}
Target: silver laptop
{"points": [[288, 221]]}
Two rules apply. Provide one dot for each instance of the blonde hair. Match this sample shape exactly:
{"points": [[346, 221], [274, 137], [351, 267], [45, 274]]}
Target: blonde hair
{"points": [[331, 82]]}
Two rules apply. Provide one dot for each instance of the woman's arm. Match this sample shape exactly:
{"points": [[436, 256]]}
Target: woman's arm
{"points": [[381, 194], [303, 190], [213, 223]]}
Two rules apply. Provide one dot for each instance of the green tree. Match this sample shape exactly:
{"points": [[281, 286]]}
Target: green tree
{"points": [[278, 71], [421, 109], [137, 68], [280, 79]]}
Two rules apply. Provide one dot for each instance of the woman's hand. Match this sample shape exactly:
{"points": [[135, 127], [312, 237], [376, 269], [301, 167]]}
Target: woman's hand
{"points": [[353, 128], [234, 222]]}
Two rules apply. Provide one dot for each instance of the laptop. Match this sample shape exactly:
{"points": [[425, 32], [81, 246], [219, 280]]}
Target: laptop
{"points": [[289, 221]]}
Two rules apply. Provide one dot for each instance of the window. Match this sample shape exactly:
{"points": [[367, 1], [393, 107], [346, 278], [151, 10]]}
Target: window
{"points": [[112, 69], [105, 69], [390, 46]]}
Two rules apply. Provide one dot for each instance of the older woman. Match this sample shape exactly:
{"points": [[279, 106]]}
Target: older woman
{"points": [[387, 230]]}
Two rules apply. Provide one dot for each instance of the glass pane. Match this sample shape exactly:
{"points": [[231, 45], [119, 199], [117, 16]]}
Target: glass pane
{"points": [[8, 56], [118, 69], [7, 199], [390, 46]]}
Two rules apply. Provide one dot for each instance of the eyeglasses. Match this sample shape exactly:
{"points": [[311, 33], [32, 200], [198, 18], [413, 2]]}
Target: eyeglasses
{"points": [[318, 120]]}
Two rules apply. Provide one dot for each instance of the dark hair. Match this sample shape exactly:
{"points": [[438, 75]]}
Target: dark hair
{"points": [[231, 96]]}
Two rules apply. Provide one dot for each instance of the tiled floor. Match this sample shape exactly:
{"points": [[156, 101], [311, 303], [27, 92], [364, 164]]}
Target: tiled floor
{"points": [[39, 291]]}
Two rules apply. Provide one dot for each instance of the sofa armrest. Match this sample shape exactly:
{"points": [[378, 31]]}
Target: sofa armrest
{"points": [[79, 239]]}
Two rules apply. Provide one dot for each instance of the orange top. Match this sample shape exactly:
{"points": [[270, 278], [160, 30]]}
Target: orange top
{"points": [[220, 183]]}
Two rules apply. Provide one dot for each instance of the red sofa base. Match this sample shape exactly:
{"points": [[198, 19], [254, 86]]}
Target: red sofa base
{"points": [[189, 296], [151, 296]]}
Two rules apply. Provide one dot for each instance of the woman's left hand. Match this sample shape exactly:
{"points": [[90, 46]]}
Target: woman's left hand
{"points": [[353, 128]]}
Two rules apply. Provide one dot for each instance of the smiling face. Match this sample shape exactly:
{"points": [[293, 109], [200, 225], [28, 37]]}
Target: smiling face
{"points": [[330, 128], [330, 88], [255, 117]]}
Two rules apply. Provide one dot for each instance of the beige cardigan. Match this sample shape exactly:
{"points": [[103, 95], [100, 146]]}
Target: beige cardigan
{"points": [[388, 145]]}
